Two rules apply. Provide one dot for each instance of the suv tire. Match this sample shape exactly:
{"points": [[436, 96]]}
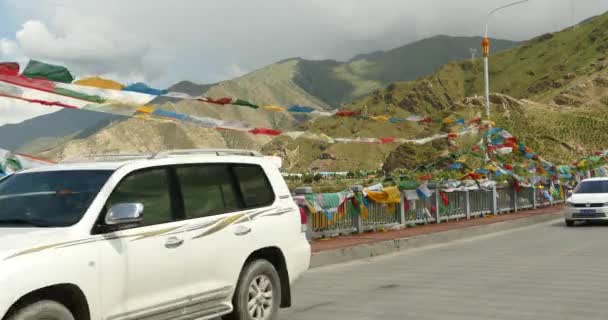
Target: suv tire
{"points": [[258, 293], [569, 223], [44, 309]]}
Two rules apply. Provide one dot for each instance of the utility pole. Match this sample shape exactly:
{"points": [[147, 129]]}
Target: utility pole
{"points": [[485, 44]]}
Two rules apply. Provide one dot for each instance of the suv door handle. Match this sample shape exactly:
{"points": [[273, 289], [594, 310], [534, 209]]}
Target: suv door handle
{"points": [[242, 230], [173, 242]]}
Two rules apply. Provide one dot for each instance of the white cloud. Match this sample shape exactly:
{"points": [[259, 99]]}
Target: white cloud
{"points": [[163, 42], [233, 71], [15, 111], [8, 48]]}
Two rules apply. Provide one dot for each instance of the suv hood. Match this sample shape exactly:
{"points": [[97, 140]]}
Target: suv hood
{"points": [[589, 198], [16, 240]]}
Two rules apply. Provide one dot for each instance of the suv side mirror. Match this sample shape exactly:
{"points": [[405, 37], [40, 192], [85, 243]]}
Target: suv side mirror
{"points": [[125, 213]]}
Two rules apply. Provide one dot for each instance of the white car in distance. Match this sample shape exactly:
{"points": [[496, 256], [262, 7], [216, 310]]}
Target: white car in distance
{"points": [[588, 201], [187, 234]]}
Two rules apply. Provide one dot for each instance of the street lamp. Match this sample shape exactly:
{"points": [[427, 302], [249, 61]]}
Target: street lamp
{"points": [[485, 44]]}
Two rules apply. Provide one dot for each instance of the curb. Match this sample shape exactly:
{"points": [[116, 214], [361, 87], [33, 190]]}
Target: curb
{"points": [[330, 257]]}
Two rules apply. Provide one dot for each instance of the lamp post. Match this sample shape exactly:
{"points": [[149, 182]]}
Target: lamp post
{"points": [[485, 44]]}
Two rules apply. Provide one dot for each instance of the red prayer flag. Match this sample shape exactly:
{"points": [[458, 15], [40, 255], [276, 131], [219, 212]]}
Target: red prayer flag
{"points": [[387, 140], [9, 68], [42, 102], [220, 101], [444, 198], [346, 113], [38, 84], [265, 131]]}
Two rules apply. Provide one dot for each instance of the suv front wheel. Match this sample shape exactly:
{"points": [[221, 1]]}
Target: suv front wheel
{"points": [[43, 310], [258, 293]]}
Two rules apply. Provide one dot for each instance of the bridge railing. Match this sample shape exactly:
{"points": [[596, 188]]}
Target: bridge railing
{"points": [[351, 216]]}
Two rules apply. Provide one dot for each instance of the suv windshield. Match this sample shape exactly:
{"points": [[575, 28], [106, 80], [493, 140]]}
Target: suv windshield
{"points": [[592, 187], [48, 199]]}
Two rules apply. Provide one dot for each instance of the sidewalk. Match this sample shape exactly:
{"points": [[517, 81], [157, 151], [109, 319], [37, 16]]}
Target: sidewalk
{"points": [[321, 245]]}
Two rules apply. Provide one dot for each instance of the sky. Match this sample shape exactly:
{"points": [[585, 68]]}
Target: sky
{"points": [[205, 41]]}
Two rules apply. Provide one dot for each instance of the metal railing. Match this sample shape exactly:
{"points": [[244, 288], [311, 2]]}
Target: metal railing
{"points": [[456, 208], [505, 200], [380, 215], [462, 204], [525, 198]]}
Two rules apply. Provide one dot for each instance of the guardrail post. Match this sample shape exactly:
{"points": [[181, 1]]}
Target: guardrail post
{"points": [[358, 220], [515, 200], [402, 213], [534, 200], [494, 200], [468, 204], [437, 211]]}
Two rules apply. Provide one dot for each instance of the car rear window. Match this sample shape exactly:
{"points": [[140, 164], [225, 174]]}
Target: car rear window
{"points": [[208, 190], [254, 185], [212, 189]]}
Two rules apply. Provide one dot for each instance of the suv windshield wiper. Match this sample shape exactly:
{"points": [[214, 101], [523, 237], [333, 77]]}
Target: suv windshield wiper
{"points": [[25, 222]]}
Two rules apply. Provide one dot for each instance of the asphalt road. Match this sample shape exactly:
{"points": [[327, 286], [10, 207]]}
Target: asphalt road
{"points": [[544, 271]]}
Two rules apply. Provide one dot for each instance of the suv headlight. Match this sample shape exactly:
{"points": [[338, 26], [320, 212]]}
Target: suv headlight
{"points": [[571, 205]]}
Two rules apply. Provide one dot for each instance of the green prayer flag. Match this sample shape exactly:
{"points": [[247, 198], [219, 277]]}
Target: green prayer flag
{"points": [[37, 69], [240, 102], [79, 95]]}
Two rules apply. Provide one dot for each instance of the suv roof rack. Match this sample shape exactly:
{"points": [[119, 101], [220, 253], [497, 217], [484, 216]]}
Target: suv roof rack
{"points": [[217, 152], [162, 154], [109, 157]]}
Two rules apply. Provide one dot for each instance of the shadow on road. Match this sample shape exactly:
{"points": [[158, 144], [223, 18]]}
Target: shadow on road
{"points": [[584, 224]]}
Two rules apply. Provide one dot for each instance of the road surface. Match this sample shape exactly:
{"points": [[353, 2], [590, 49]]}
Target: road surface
{"points": [[544, 271]]}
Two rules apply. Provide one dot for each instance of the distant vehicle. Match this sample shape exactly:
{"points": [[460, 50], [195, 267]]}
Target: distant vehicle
{"points": [[188, 234], [588, 201]]}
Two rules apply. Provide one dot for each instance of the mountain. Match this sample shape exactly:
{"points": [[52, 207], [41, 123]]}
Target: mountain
{"points": [[47, 131], [328, 83], [551, 92]]}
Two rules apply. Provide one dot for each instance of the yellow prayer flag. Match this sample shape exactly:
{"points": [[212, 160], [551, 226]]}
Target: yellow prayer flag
{"points": [[273, 108], [98, 82], [380, 118], [146, 109]]}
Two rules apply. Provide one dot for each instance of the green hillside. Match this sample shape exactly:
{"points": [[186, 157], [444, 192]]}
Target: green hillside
{"points": [[552, 93]]}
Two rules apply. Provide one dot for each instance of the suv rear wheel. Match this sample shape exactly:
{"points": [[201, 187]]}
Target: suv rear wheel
{"points": [[43, 310], [258, 293]]}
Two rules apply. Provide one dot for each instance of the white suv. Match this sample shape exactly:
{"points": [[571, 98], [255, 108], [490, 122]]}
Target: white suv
{"points": [[191, 234]]}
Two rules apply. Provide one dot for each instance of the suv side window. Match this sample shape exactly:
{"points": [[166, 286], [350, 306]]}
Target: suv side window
{"points": [[149, 187], [254, 185], [208, 189]]}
